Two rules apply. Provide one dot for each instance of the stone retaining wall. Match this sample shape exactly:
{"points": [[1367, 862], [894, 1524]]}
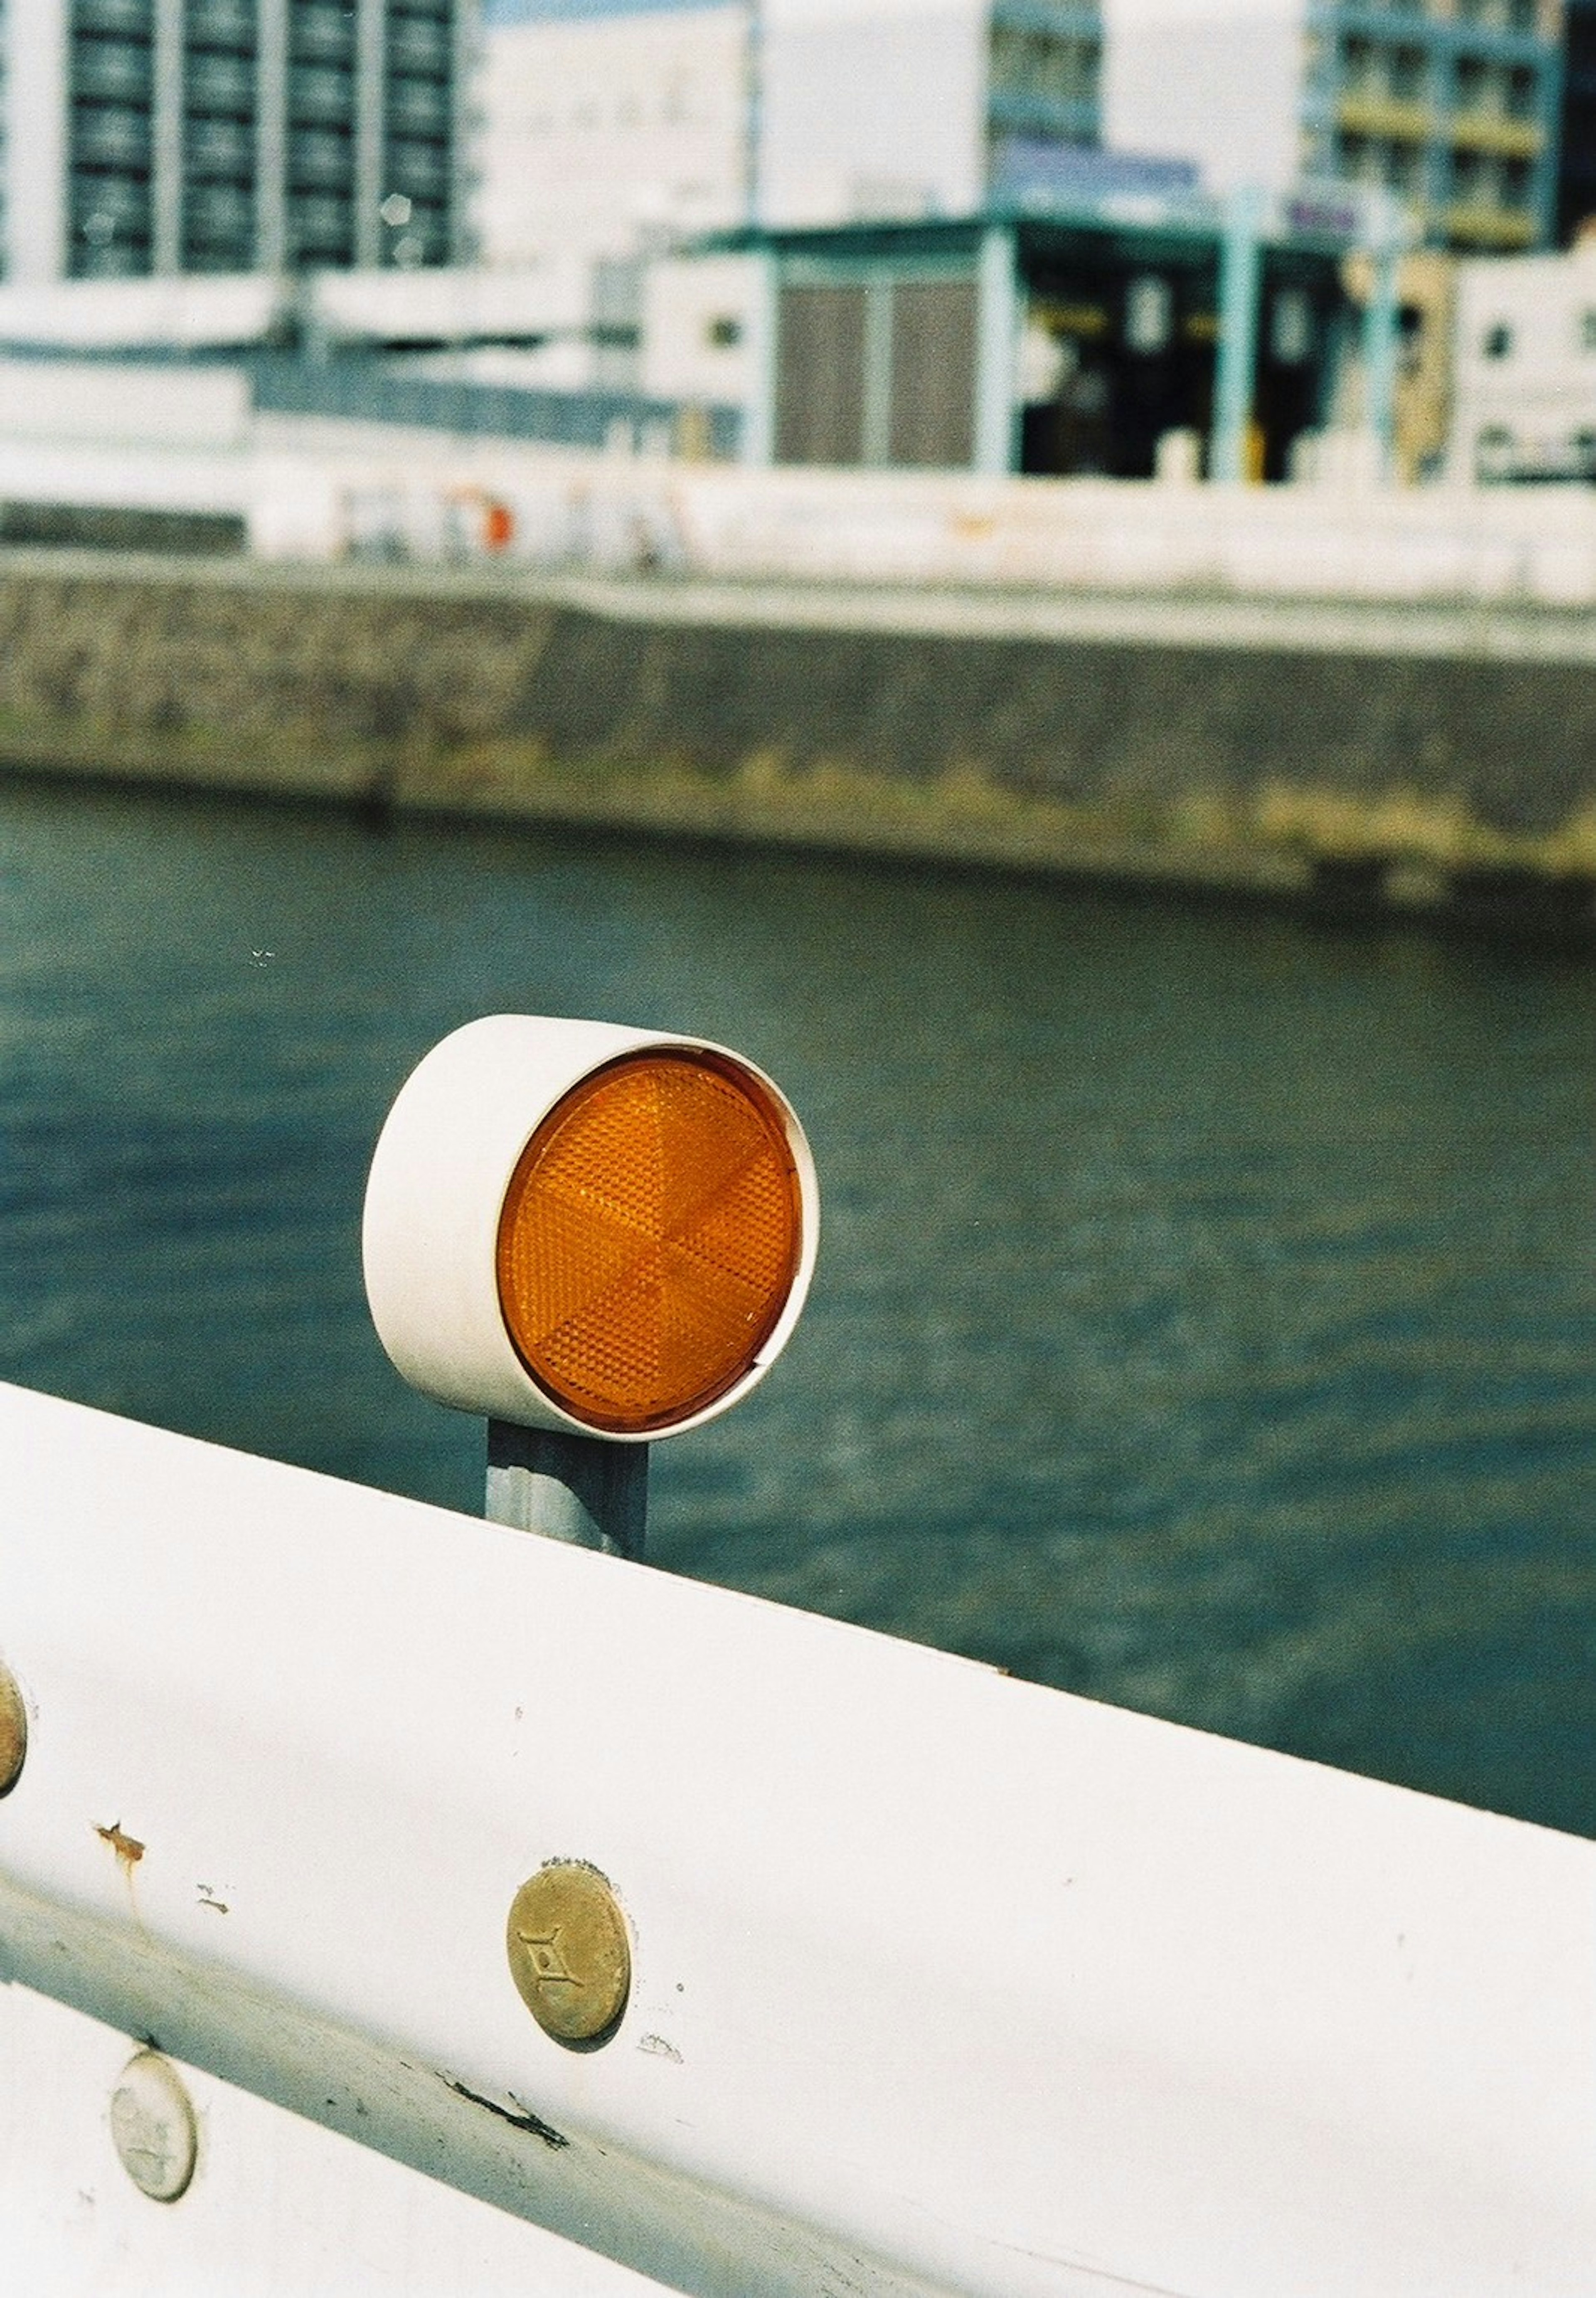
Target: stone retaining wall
{"points": [[1462, 781]]}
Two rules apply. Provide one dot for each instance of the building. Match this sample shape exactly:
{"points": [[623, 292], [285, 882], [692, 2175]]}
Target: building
{"points": [[1525, 375], [1421, 386], [1576, 179], [903, 109], [1452, 106], [1058, 344], [161, 137], [612, 124], [606, 125]]}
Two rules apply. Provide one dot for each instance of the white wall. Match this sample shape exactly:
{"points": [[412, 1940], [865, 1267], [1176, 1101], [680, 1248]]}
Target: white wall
{"points": [[690, 306], [1217, 81], [1538, 390], [114, 314], [58, 399], [536, 299], [600, 133], [872, 107]]}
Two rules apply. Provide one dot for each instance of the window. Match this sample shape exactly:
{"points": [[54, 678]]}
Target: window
{"points": [[1497, 342], [1473, 179], [1587, 331], [1407, 74], [1471, 76], [1149, 314], [1291, 327], [1351, 151], [1357, 60], [722, 333], [1521, 93], [1043, 66], [1404, 170]]}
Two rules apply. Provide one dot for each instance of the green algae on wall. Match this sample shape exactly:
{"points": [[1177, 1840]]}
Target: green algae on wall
{"points": [[1398, 775]]}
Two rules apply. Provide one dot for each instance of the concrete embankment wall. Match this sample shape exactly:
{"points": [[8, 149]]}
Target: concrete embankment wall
{"points": [[1425, 757]]}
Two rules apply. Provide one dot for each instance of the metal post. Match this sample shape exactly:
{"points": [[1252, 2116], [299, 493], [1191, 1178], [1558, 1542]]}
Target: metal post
{"points": [[578, 1489], [271, 135], [759, 448], [166, 137], [463, 231], [1241, 263], [753, 115], [875, 423], [1381, 334], [370, 123], [997, 334]]}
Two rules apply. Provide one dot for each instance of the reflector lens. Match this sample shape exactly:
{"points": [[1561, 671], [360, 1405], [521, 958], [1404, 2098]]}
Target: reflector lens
{"points": [[649, 1239]]}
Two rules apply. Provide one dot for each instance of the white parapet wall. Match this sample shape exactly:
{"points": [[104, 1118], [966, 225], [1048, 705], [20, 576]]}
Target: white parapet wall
{"points": [[175, 437], [181, 314], [109, 405], [940, 1982], [632, 512]]}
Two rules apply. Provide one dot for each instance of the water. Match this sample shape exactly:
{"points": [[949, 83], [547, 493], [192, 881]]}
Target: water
{"points": [[1206, 1314]]}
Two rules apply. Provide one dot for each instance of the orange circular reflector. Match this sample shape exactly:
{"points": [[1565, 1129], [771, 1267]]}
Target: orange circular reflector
{"points": [[649, 1239]]}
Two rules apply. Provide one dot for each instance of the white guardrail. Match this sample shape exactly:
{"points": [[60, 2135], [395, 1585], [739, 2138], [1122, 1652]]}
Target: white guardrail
{"points": [[939, 1981]]}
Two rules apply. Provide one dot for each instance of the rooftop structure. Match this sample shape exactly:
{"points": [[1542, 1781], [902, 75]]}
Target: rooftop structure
{"points": [[171, 137], [1073, 342]]}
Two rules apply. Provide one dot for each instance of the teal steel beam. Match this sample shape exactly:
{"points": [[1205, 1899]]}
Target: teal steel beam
{"points": [[996, 330], [1382, 332], [1241, 264], [758, 446]]}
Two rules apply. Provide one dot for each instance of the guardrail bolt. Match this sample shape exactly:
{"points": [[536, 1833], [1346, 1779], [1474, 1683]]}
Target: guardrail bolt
{"points": [[152, 2127], [568, 1951], [13, 1731]]}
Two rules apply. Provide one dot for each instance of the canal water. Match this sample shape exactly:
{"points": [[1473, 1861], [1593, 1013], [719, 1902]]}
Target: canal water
{"points": [[1206, 1312]]}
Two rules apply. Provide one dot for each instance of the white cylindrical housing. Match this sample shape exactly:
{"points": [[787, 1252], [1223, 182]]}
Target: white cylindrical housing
{"points": [[443, 1164]]}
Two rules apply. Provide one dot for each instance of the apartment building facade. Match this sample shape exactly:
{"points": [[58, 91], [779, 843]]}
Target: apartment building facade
{"points": [[165, 137], [1455, 111], [1449, 107]]}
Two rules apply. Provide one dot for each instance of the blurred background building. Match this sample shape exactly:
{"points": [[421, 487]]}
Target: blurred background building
{"points": [[1576, 179], [1209, 237], [606, 125], [909, 109], [1453, 108], [615, 124], [171, 137]]}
